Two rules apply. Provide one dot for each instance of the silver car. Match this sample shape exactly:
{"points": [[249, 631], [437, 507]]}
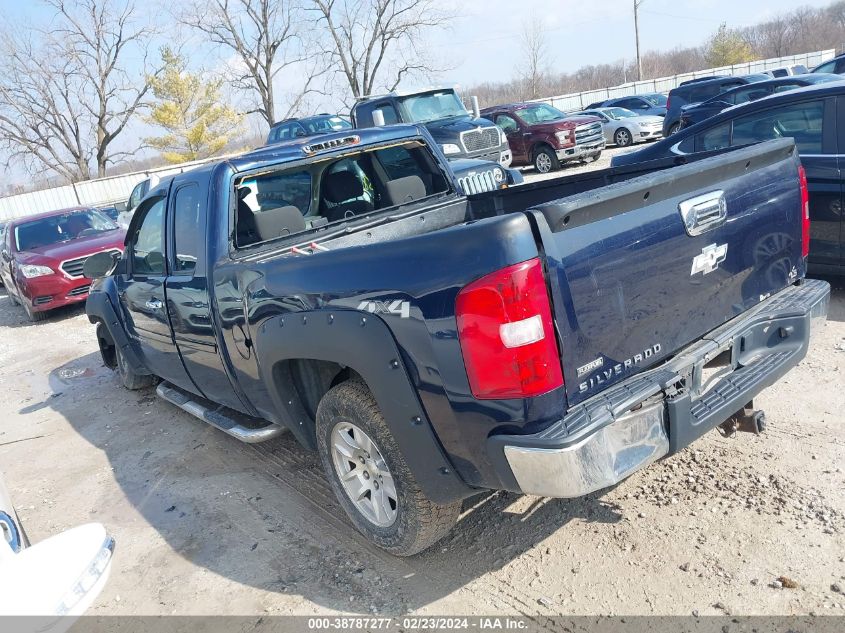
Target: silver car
{"points": [[623, 127]]}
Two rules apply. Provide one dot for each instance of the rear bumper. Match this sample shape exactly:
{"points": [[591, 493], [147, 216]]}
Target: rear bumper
{"points": [[662, 410]]}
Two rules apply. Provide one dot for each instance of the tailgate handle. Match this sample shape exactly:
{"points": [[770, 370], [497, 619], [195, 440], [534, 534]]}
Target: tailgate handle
{"points": [[704, 212]]}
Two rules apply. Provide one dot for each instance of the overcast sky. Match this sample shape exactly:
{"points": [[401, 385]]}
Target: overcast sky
{"points": [[484, 43]]}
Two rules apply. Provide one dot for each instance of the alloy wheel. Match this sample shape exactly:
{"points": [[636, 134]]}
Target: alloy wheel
{"points": [[364, 475], [543, 163]]}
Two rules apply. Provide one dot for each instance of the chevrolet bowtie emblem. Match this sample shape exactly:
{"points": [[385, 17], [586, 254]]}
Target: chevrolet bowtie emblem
{"points": [[710, 258]]}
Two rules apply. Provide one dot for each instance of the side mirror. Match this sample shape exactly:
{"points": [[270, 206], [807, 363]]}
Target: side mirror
{"points": [[99, 265]]}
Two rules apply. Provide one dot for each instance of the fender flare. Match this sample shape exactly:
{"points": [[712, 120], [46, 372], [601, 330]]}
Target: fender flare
{"points": [[364, 343], [99, 308]]}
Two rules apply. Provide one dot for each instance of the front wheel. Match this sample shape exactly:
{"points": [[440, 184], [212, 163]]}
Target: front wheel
{"points": [[370, 477], [545, 160], [32, 315], [130, 379], [623, 137]]}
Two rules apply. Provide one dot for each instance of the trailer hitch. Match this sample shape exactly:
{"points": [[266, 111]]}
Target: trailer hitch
{"points": [[747, 420]]}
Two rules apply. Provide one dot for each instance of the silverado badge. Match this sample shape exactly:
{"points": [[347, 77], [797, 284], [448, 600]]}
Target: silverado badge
{"points": [[709, 260]]}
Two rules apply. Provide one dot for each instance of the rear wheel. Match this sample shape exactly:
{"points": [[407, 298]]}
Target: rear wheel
{"points": [[623, 137], [545, 160], [674, 128], [130, 379], [370, 477]]}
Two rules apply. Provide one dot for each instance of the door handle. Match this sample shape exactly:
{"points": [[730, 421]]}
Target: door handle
{"points": [[704, 212], [154, 304]]}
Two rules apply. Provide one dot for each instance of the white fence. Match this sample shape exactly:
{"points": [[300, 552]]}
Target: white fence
{"points": [[101, 192], [580, 100]]}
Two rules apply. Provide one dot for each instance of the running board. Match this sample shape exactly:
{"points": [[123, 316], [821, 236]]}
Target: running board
{"points": [[220, 417]]}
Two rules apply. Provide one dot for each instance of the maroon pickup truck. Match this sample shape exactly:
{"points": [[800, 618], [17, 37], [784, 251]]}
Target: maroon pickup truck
{"points": [[545, 137]]}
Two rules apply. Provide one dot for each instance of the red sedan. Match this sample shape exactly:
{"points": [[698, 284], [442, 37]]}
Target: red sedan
{"points": [[43, 255]]}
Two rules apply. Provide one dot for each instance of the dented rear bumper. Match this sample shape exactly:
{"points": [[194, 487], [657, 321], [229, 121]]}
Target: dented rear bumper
{"points": [[662, 410]]}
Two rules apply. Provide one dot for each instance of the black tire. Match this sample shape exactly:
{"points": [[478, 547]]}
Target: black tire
{"points": [[32, 315], [545, 160], [623, 137], [419, 522], [673, 129], [131, 380]]}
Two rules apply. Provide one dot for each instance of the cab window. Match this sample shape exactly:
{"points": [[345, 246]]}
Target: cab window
{"points": [[186, 223], [276, 204], [714, 138], [147, 241], [508, 125]]}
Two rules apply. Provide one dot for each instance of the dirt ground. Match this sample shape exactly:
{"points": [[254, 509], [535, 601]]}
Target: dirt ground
{"points": [[206, 525]]}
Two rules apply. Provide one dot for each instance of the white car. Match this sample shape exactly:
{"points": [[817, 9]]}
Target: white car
{"points": [[56, 579], [623, 127]]}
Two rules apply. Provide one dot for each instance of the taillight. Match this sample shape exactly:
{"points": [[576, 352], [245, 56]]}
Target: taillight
{"points": [[506, 334], [805, 211]]}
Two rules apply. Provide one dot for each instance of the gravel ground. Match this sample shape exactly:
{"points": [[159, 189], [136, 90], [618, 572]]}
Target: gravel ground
{"points": [[205, 525]]}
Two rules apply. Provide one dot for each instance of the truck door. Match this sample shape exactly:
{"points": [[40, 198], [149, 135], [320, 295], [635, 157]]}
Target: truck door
{"points": [[517, 137], [141, 292], [187, 294]]}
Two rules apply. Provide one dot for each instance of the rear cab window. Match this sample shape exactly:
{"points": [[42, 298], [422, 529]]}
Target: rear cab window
{"points": [[186, 229], [278, 203]]}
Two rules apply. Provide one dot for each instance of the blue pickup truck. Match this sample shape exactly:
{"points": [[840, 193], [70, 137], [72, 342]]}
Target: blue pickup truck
{"points": [[550, 338]]}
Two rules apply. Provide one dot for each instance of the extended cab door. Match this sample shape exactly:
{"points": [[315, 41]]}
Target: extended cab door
{"points": [[141, 293], [188, 304]]}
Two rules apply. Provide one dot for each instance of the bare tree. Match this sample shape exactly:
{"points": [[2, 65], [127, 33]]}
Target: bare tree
{"points": [[375, 44], [265, 36], [534, 56], [102, 38], [65, 100]]}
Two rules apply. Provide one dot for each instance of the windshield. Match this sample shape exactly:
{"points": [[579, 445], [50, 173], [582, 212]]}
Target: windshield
{"points": [[540, 113], [620, 113], [61, 228], [327, 124], [656, 99], [432, 106]]}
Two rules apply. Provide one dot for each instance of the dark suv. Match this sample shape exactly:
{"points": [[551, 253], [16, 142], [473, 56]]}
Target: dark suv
{"points": [[696, 113], [306, 126], [696, 92]]}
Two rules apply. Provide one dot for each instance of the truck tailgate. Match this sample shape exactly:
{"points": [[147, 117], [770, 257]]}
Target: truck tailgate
{"points": [[639, 269]]}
